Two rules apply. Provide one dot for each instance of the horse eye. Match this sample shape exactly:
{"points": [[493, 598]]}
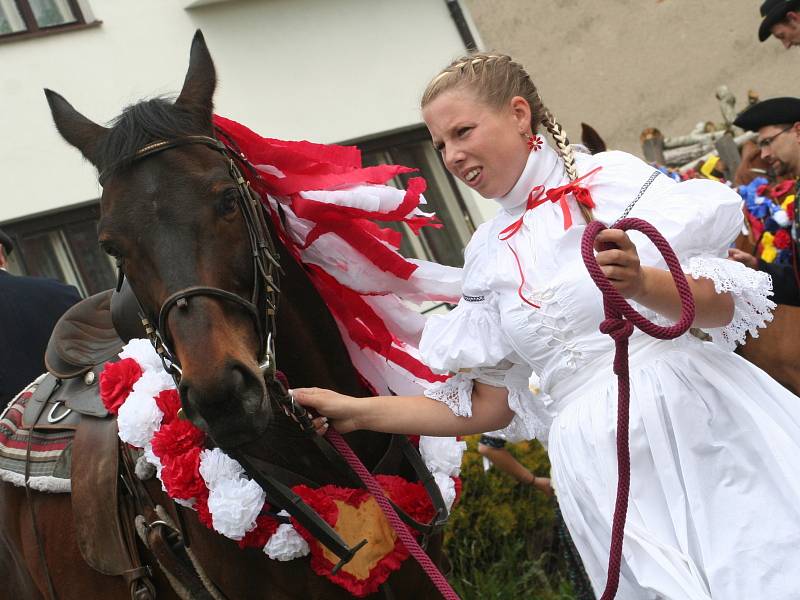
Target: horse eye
{"points": [[111, 250], [228, 203]]}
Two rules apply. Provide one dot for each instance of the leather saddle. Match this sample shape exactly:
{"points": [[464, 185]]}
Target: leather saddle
{"points": [[68, 397], [83, 340]]}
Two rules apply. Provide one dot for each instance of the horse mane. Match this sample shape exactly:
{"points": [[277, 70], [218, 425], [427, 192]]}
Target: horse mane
{"points": [[145, 122]]}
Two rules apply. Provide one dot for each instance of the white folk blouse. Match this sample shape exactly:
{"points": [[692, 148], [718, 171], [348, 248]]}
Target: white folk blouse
{"points": [[714, 440]]}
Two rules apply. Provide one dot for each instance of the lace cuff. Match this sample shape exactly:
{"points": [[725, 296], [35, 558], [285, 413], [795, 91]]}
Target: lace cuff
{"points": [[750, 290], [531, 419], [456, 393]]}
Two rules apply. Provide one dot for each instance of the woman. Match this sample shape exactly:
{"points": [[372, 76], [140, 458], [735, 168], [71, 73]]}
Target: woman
{"points": [[715, 481]]}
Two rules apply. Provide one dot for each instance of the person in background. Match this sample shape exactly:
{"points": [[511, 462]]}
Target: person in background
{"points": [[777, 123], [494, 450], [29, 309], [780, 19]]}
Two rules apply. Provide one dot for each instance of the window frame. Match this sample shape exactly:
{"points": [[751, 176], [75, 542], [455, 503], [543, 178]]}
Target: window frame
{"points": [[33, 30]]}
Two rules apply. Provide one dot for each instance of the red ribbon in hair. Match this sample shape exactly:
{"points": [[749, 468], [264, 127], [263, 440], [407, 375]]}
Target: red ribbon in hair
{"points": [[539, 196]]}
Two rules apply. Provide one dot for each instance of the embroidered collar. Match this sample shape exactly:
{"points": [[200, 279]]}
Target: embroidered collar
{"points": [[544, 168]]}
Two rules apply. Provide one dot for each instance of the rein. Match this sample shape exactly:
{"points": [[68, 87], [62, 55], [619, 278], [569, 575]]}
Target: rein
{"points": [[620, 319], [262, 308]]}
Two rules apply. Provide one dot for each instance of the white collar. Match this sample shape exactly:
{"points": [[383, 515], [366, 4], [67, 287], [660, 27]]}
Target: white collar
{"points": [[544, 167]]}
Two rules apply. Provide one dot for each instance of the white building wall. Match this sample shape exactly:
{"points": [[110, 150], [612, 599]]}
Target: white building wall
{"points": [[324, 70]]}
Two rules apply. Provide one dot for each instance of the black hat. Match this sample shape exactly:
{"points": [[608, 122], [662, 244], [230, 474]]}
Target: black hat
{"points": [[773, 12], [6, 242], [775, 111]]}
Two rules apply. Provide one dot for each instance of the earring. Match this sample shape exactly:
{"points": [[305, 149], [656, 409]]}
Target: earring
{"points": [[534, 142]]}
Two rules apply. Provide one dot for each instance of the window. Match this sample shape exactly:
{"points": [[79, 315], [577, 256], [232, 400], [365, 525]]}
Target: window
{"points": [[64, 247], [24, 18], [413, 149]]}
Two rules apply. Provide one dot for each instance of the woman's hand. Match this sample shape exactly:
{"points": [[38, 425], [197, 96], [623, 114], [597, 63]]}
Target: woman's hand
{"points": [[619, 261], [337, 409]]}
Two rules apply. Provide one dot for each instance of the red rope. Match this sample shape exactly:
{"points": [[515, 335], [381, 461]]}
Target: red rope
{"points": [[620, 318], [338, 442]]}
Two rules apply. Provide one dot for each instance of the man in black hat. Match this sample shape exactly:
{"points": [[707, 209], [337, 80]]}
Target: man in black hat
{"points": [[29, 309], [781, 18], [777, 123]]}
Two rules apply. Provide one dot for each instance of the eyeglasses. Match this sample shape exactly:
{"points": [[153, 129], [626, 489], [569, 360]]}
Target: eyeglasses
{"points": [[767, 141]]}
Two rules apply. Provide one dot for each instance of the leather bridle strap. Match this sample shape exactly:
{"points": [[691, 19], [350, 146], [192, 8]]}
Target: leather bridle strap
{"points": [[180, 297], [265, 262], [156, 147]]}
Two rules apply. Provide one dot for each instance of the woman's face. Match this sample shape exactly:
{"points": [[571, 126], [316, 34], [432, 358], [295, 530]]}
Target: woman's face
{"points": [[481, 145]]}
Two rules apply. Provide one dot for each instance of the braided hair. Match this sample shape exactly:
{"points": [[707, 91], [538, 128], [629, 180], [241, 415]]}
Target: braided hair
{"points": [[496, 79]]}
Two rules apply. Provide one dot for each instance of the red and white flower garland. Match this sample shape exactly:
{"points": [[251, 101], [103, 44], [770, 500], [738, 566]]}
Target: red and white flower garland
{"points": [[146, 402]]}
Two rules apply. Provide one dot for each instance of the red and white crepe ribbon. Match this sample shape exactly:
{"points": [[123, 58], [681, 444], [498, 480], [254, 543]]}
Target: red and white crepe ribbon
{"points": [[324, 206]]}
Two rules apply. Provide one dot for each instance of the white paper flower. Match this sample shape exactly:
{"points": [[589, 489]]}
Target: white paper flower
{"points": [[286, 544], [442, 454], [234, 506], [142, 351], [153, 382], [448, 488], [216, 466], [138, 419]]}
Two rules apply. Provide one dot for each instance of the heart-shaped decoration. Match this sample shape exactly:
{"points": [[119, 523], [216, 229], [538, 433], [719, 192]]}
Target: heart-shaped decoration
{"points": [[356, 516]]}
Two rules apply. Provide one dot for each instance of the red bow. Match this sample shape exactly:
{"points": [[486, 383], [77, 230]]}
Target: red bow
{"points": [[539, 196]]}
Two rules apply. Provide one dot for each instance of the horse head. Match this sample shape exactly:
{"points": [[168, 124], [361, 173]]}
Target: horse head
{"points": [[175, 220]]}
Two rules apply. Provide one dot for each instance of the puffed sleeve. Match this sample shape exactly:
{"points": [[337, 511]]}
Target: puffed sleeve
{"points": [[700, 218], [469, 343]]}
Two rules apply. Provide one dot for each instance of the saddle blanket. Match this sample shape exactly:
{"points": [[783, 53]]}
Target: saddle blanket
{"points": [[50, 451]]}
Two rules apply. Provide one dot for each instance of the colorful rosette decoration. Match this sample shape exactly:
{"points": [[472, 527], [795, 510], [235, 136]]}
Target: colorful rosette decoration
{"points": [[770, 211], [145, 401]]}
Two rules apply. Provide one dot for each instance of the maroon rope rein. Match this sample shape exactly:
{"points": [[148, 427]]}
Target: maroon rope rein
{"points": [[338, 442], [620, 318]]}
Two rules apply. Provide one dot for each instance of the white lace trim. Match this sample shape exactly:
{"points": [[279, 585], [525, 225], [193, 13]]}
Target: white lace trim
{"points": [[456, 393], [530, 418], [750, 290]]}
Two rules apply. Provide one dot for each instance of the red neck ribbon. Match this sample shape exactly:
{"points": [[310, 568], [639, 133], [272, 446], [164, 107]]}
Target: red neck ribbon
{"points": [[539, 196]]}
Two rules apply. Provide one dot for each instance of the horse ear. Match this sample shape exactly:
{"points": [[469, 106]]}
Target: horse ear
{"points": [[76, 129], [591, 139], [201, 79]]}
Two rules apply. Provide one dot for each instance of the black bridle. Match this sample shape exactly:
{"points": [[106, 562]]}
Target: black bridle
{"points": [[262, 308]]}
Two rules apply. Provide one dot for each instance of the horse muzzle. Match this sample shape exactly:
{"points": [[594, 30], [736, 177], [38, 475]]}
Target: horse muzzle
{"points": [[232, 407]]}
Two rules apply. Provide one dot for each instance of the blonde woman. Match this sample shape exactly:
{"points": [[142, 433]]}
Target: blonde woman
{"points": [[715, 481]]}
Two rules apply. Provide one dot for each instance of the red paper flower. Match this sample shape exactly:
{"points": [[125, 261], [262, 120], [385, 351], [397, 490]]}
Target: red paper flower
{"points": [[258, 537], [168, 402], [201, 506], [790, 210], [176, 438], [762, 189], [781, 189], [116, 382], [181, 475], [410, 496], [782, 240]]}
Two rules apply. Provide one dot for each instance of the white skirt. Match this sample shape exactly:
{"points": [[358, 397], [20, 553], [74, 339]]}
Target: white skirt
{"points": [[714, 509]]}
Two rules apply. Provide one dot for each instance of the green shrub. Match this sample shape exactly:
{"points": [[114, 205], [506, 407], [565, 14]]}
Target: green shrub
{"points": [[502, 540]]}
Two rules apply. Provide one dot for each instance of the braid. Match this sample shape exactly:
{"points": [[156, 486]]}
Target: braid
{"points": [[496, 79]]}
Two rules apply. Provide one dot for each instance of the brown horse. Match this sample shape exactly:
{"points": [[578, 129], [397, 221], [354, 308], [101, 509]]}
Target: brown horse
{"points": [[172, 221]]}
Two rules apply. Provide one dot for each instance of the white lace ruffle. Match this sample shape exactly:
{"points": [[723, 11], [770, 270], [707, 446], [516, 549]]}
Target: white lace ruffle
{"points": [[469, 336], [456, 393], [750, 290], [531, 418]]}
